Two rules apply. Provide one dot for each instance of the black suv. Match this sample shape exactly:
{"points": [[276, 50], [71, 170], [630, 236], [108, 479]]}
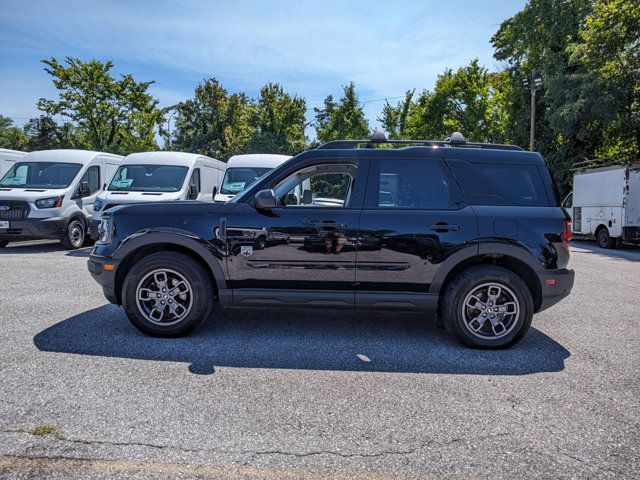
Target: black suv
{"points": [[472, 231]]}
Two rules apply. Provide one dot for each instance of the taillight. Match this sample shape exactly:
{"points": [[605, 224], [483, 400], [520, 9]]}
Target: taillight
{"points": [[567, 235]]}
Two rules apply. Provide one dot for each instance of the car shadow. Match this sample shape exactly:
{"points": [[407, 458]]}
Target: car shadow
{"points": [[44, 246], [625, 251], [310, 340]]}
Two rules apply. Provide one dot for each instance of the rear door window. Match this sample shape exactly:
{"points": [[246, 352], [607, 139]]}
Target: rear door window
{"points": [[412, 183], [500, 184]]}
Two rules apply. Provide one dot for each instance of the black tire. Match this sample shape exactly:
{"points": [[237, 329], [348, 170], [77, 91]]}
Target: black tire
{"points": [[475, 279], [604, 239], [3, 243], [199, 282], [75, 235]]}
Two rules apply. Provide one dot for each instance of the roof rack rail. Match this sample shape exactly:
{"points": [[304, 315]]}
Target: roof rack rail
{"points": [[602, 162], [456, 139]]}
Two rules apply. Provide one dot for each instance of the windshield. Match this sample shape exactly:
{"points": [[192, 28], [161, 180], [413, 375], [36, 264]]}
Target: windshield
{"points": [[148, 178], [237, 179], [49, 175]]}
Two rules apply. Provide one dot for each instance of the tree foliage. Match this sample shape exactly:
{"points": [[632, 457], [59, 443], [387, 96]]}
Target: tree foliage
{"points": [[278, 122], [108, 114], [11, 136], [213, 122], [343, 119]]}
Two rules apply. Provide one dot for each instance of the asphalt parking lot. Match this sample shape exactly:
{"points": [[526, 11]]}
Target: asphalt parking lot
{"points": [[291, 394]]}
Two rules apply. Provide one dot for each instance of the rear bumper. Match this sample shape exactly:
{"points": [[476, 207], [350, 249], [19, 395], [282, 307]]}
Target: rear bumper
{"points": [[555, 285], [35, 228], [105, 277]]}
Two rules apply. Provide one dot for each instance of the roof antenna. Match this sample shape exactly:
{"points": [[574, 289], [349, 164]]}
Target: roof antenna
{"points": [[456, 138]]}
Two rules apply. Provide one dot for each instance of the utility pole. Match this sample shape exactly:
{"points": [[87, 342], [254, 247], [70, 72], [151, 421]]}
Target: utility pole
{"points": [[169, 129], [537, 84]]}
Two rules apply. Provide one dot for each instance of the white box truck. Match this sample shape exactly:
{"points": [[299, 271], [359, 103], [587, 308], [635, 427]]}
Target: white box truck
{"points": [[8, 158], [605, 203], [50, 194], [160, 176]]}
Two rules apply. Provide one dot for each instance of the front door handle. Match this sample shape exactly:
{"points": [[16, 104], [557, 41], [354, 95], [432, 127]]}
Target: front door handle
{"points": [[444, 227]]}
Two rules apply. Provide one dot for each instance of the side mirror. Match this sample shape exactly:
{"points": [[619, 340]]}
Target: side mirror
{"points": [[85, 191], [193, 192], [215, 190], [307, 197], [265, 200]]}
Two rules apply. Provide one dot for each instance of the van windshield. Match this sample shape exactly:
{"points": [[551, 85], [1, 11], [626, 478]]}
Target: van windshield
{"points": [[49, 175], [237, 179], [148, 178]]}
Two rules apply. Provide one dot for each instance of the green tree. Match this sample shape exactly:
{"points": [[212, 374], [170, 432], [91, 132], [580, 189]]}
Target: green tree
{"points": [[343, 119], [278, 122], [11, 136], [44, 133], [393, 119], [213, 122], [470, 100], [109, 114]]}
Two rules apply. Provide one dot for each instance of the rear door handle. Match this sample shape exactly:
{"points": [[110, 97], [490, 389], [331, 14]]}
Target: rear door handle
{"points": [[444, 227]]}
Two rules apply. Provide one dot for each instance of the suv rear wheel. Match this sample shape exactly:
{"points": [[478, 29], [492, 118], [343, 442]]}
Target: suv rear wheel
{"points": [[487, 307], [167, 294]]}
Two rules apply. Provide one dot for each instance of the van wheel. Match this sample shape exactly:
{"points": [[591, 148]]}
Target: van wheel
{"points": [[167, 294], [3, 243], [604, 239], [75, 235], [487, 307]]}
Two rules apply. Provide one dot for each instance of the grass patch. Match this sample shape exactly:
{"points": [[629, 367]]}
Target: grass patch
{"points": [[42, 430]]}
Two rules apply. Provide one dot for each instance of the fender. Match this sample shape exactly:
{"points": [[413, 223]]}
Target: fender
{"points": [[511, 249], [182, 238]]}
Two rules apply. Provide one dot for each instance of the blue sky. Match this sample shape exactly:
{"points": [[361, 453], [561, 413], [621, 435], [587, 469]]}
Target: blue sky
{"points": [[311, 47]]}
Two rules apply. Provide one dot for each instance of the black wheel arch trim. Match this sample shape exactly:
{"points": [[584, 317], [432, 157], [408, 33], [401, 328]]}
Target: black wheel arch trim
{"points": [[177, 237], [515, 250]]}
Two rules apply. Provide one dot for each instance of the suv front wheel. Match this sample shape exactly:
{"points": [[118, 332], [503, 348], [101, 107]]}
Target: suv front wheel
{"points": [[487, 307], [167, 294]]}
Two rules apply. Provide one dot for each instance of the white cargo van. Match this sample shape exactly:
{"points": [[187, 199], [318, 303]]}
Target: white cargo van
{"points": [[605, 203], [243, 170], [160, 176], [50, 194], [8, 158]]}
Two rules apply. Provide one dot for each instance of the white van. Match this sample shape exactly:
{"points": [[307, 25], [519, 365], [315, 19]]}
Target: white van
{"points": [[243, 170], [50, 194], [8, 158], [160, 176]]}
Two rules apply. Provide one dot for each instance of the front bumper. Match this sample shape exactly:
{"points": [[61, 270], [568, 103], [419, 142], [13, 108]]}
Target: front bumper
{"points": [[34, 229], [103, 271], [556, 285]]}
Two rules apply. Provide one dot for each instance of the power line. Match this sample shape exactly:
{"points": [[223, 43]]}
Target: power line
{"points": [[382, 99]]}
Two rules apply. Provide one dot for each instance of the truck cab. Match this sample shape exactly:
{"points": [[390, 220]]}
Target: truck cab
{"points": [[243, 170]]}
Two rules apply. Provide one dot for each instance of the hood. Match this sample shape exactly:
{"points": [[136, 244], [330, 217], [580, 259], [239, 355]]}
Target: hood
{"points": [[181, 209], [30, 194], [124, 198]]}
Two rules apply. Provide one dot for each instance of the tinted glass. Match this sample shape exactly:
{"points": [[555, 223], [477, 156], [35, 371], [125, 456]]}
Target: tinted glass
{"points": [[148, 178], [500, 184], [195, 179], [40, 175], [414, 183]]}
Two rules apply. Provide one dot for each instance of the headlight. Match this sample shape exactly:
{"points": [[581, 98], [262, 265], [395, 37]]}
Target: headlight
{"points": [[98, 204], [105, 231], [53, 202]]}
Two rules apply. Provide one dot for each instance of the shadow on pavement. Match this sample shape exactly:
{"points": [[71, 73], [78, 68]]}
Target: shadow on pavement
{"points": [[342, 341], [625, 251], [44, 246]]}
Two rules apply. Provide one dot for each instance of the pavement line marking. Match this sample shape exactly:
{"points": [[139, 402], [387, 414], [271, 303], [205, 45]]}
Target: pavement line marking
{"points": [[48, 465]]}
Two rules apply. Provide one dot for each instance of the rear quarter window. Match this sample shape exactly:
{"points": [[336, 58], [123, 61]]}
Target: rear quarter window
{"points": [[501, 184]]}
